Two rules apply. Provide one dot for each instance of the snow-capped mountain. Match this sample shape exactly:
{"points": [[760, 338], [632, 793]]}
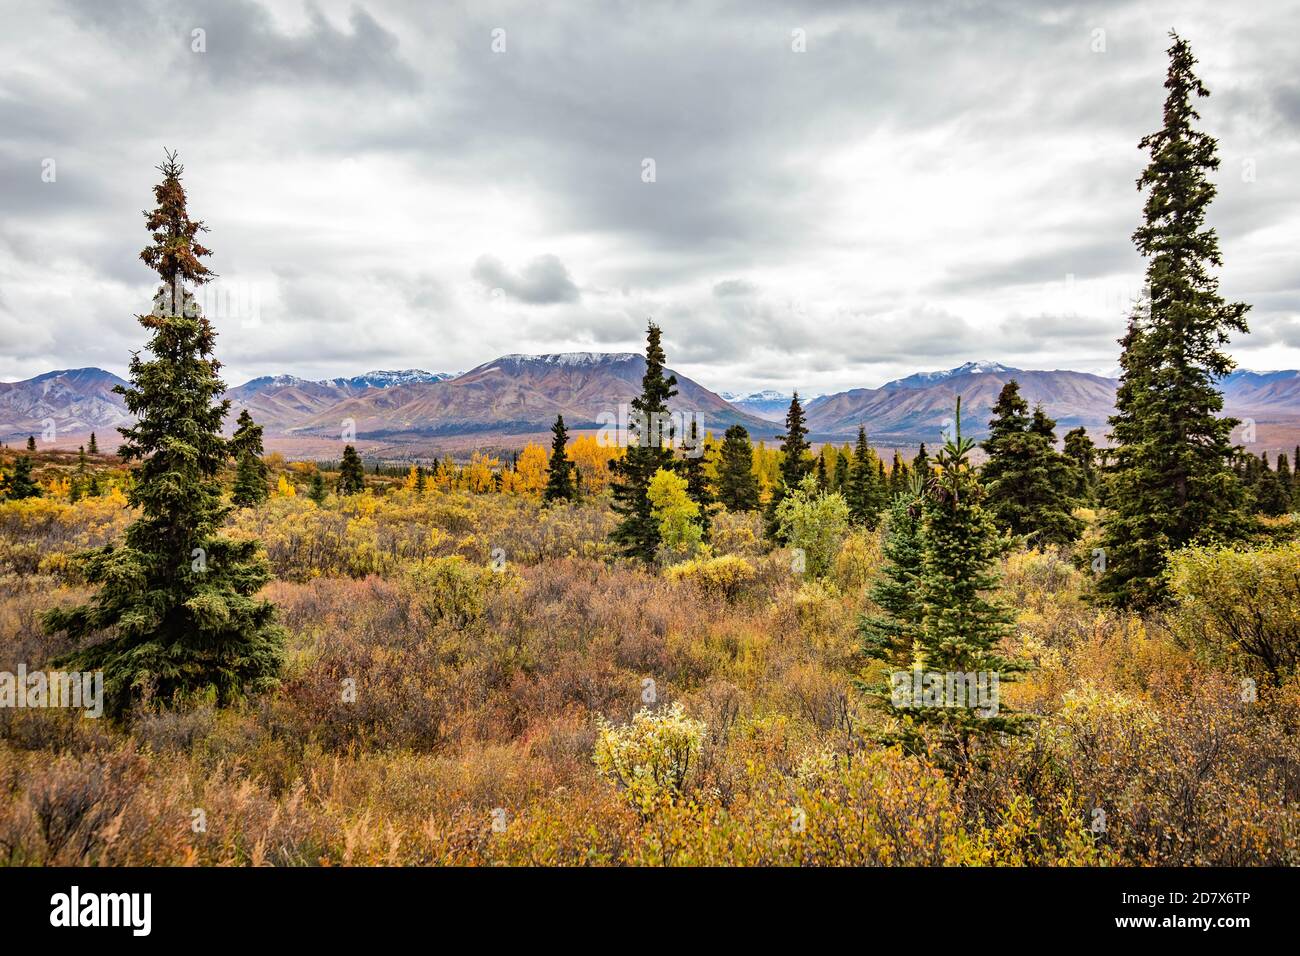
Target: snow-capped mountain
{"points": [[926, 379]]}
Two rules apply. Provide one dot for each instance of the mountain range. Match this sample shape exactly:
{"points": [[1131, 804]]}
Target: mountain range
{"points": [[515, 398]]}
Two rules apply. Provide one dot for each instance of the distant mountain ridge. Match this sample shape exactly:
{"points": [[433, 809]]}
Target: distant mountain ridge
{"points": [[520, 395]]}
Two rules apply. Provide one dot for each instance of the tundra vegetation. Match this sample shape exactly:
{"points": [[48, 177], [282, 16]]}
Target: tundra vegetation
{"points": [[678, 652]]}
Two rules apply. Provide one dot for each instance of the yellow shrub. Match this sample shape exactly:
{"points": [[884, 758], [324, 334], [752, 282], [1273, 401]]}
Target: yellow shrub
{"points": [[724, 577]]}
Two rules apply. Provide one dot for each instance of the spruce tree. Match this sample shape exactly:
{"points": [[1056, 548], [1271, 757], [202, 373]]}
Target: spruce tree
{"points": [[795, 462], [250, 471], [352, 474], [1286, 481], [840, 476], [737, 483], [559, 473], [962, 621], [1082, 455], [316, 492], [93, 446], [890, 636], [19, 484], [1028, 483], [1271, 495], [1172, 482], [31, 442], [175, 599], [691, 467], [866, 492], [822, 478], [637, 532]]}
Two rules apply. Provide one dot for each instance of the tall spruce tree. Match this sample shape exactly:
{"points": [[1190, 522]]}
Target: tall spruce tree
{"points": [[737, 483], [559, 472], [1172, 484], [865, 492], [250, 471], [691, 467], [648, 450], [1028, 483], [840, 476], [352, 474], [176, 599], [93, 445], [1082, 455], [795, 462]]}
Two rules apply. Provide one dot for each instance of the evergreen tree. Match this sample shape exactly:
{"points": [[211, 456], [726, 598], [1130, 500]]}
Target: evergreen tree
{"points": [[962, 622], [559, 477], [93, 447], [691, 467], [1286, 481], [1172, 484], [921, 463], [19, 484], [250, 471], [737, 483], [176, 599], [1082, 455], [637, 532], [866, 492], [317, 490], [898, 475], [822, 478], [31, 442], [840, 477], [890, 636], [1027, 482], [1271, 495], [352, 474], [795, 462]]}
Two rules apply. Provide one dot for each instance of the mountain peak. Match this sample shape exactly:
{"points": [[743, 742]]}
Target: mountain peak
{"points": [[925, 379]]}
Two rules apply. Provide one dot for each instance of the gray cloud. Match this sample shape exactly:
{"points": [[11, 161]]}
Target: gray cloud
{"points": [[543, 281], [911, 191]]}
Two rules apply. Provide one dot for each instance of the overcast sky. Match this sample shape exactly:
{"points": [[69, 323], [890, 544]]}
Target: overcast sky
{"points": [[384, 189]]}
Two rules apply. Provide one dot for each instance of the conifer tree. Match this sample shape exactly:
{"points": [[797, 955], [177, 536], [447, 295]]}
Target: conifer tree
{"points": [[316, 492], [866, 492], [93, 446], [31, 442], [840, 476], [1028, 483], [691, 467], [737, 483], [898, 475], [250, 471], [176, 599], [1082, 455], [921, 463], [822, 478], [890, 636], [352, 474], [1271, 495], [1286, 481], [962, 622], [559, 476], [795, 462], [1172, 484], [648, 451], [19, 484]]}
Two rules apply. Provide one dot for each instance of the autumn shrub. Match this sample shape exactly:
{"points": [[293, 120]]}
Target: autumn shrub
{"points": [[1241, 607], [723, 577], [650, 757]]}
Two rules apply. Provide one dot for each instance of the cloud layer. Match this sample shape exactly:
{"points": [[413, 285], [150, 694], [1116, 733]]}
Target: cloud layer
{"points": [[841, 194]]}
